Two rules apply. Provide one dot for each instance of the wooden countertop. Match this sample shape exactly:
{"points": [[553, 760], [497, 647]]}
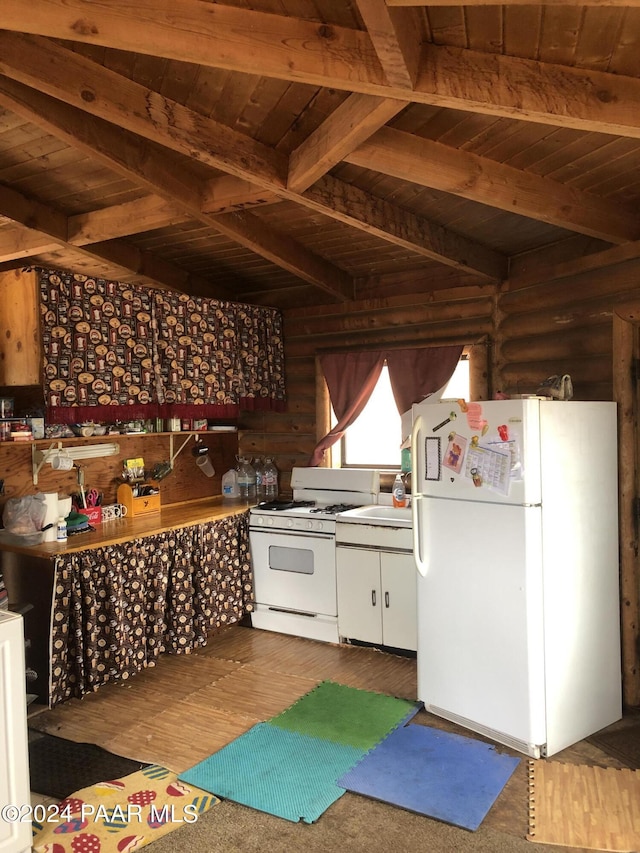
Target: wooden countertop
{"points": [[172, 516]]}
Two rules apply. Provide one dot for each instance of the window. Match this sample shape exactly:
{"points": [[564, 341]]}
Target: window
{"points": [[373, 441]]}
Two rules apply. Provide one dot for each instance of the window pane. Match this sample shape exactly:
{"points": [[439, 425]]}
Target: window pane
{"points": [[373, 441]]}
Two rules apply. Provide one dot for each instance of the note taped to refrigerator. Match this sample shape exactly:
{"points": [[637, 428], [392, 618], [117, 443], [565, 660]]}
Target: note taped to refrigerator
{"points": [[491, 466], [432, 468]]}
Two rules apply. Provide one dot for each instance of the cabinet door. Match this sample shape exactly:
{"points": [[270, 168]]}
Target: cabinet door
{"points": [[359, 597], [399, 604]]}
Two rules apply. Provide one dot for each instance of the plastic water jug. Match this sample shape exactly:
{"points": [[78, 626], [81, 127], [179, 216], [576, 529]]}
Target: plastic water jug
{"points": [[270, 479], [246, 481], [258, 467], [230, 488]]}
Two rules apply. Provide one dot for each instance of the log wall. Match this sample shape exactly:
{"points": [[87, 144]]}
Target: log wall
{"points": [[530, 329], [461, 315]]}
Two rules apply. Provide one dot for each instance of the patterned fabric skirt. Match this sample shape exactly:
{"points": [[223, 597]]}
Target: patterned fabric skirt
{"points": [[116, 608]]}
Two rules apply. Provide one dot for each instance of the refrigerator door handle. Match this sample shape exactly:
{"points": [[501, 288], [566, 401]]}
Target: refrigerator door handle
{"points": [[416, 499]]}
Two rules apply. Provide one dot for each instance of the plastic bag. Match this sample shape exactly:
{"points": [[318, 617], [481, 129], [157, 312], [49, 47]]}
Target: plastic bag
{"points": [[24, 516]]}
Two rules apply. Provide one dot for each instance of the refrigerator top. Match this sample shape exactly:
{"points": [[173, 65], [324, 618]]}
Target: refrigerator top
{"points": [[501, 451]]}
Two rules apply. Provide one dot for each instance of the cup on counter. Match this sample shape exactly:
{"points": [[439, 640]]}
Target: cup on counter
{"points": [[113, 511]]}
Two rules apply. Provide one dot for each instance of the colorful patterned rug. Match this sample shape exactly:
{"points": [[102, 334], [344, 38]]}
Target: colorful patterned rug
{"points": [[289, 766], [120, 814]]}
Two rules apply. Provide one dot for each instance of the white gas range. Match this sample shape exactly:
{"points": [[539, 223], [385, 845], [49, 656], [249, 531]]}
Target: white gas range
{"points": [[293, 551]]}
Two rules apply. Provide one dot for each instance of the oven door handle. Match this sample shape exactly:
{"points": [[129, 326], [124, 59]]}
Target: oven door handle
{"points": [[301, 534]]}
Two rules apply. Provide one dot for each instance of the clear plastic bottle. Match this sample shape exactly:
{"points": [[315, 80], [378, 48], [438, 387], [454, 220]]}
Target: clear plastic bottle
{"points": [[270, 479], [399, 493], [246, 481], [258, 467]]}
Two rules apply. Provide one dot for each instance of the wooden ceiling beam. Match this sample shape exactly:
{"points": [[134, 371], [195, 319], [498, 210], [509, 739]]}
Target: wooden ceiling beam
{"points": [[32, 214], [375, 216], [227, 193], [71, 77], [53, 224], [462, 173], [397, 36], [18, 243], [185, 138], [287, 48], [121, 220], [350, 124], [155, 271], [207, 34]]}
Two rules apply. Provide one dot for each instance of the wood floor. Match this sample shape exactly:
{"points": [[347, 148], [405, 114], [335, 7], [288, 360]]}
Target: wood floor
{"points": [[187, 707]]}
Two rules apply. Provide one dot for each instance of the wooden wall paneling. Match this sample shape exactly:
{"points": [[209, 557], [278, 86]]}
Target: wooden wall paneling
{"points": [[626, 352], [480, 370], [611, 282], [389, 315], [524, 377], [20, 345], [183, 484], [437, 334], [559, 345], [559, 320]]}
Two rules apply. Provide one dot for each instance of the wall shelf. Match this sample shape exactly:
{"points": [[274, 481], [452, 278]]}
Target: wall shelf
{"points": [[44, 449]]}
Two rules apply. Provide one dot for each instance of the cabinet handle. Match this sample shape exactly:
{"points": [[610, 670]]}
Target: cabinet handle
{"points": [[386, 599], [373, 598]]}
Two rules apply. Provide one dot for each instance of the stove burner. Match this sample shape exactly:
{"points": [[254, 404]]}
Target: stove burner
{"points": [[334, 508], [279, 506]]}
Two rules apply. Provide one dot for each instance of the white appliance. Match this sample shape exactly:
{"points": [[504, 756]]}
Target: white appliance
{"points": [[15, 834], [515, 529], [293, 555]]}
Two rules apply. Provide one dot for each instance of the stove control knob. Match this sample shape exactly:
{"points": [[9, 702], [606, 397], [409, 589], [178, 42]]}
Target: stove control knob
{"points": [[320, 526], [270, 522], [289, 522]]}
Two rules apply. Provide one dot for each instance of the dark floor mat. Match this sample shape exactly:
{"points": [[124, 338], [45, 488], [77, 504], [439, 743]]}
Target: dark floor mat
{"points": [[58, 767], [622, 743]]}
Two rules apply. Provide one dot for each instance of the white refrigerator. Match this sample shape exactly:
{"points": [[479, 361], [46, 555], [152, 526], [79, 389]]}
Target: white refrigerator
{"points": [[515, 524]]}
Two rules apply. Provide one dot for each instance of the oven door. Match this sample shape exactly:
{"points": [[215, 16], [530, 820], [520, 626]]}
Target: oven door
{"points": [[294, 572]]}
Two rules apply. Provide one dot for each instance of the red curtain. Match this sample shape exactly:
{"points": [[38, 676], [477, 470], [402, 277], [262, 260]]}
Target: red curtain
{"points": [[351, 378], [416, 373]]}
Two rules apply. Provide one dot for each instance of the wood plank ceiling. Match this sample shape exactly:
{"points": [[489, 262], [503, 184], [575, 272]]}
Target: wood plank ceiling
{"points": [[303, 151]]}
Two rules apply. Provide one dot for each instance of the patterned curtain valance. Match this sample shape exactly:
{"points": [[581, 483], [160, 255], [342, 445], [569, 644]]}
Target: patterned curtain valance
{"points": [[115, 352]]}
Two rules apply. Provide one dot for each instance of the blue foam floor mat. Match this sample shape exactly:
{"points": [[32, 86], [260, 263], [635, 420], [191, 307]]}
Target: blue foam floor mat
{"points": [[283, 773], [441, 775]]}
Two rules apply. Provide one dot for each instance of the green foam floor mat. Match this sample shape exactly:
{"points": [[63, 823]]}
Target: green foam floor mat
{"points": [[346, 715]]}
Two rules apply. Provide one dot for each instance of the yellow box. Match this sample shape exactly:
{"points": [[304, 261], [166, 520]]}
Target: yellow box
{"points": [[144, 505]]}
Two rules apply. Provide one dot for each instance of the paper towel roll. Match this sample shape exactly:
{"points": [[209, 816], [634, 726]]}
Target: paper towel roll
{"points": [[51, 516]]}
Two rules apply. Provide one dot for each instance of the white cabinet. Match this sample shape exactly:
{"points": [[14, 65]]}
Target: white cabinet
{"points": [[377, 597], [14, 766]]}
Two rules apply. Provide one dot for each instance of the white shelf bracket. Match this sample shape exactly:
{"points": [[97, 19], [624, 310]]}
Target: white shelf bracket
{"points": [[40, 458], [173, 456]]}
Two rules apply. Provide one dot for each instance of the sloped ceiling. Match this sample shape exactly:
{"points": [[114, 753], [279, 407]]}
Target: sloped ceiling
{"points": [[301, 152]]}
